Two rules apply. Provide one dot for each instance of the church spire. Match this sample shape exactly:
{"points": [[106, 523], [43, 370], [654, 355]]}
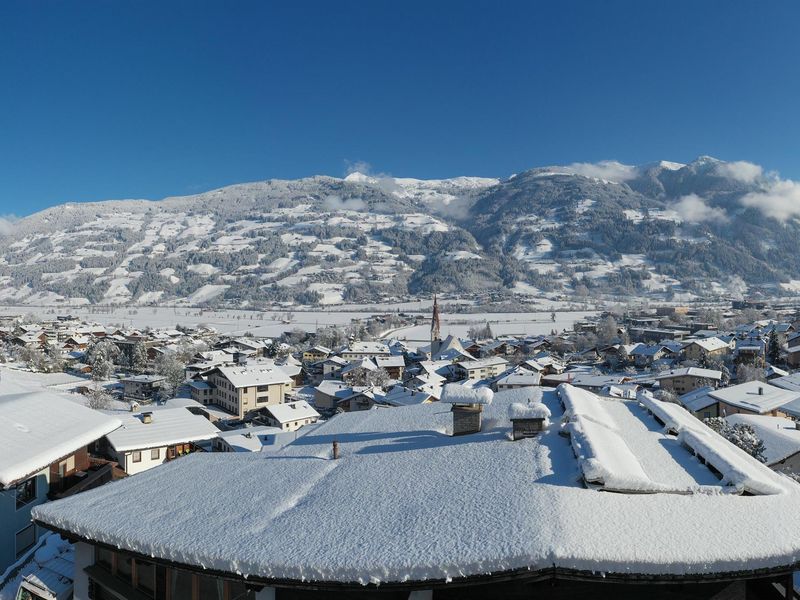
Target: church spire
{"points": [[435, 323]]}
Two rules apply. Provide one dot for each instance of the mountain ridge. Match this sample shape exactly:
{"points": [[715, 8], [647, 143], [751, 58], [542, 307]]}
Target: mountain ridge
{"points": [[661, 230]]}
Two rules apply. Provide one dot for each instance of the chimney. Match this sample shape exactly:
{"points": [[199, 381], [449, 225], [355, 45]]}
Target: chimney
{"points": [[760, 391], [147, 417], [335, 450]]}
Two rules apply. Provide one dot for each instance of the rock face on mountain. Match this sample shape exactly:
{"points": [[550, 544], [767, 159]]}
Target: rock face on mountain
{"points": [[707, 228]]}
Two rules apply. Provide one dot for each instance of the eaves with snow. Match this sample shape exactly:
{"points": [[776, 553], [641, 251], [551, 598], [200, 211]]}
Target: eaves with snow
{"points": [[611, 488]]}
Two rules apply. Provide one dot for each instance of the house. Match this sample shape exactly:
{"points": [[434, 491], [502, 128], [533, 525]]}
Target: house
{"points": [[711, 348], [393, 365], [316, 354], [142, 387], [518, 379], [149, 439], [751, 351], [241, 389], [248, 439], [753, 398], [643, 355], [687, 379], [358, 350], [246, 515], [781, 439], [400, 396], [700, 403], [329, 392], [291, 416], [482, 368], [45, 441], [793, 353]]}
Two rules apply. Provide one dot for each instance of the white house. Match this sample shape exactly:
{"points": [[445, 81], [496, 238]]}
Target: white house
{"points": [[149, 439], [292, 415]]}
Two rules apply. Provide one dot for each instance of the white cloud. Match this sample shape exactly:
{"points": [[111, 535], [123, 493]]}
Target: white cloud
{"points": [[610, 170], [336, 203], [693, 209], [779, 200], [741, 170], [7, 224], [357, 166]]}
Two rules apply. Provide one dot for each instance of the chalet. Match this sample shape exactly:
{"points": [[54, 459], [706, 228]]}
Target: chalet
{"points": [[329, 392], [518, 379], [483, 368], [142, 387], [400, 396], [393, 365], [753, 398], [781, 439], [241, 389], [793, 354], [711, 348], [700, 403], [249, 439], [357, 398], [149, 439], [46, 440], [291, 416], [751, 351], [316, 354], [643, 355], [587, 381], [358, 350], [687, 379]]}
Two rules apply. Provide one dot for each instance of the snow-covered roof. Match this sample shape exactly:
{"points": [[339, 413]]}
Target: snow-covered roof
{"points": [[292, 411], [400, 474], [789, 382], [249, 439], [168, 426], [698, 399], [39, 427], [755, 396], [780, 436], [535, 410], [690, 372], [255, 375], [482, 363], [711, 344]]}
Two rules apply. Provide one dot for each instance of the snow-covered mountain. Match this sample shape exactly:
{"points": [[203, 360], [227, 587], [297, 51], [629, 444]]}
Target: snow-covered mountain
{"points": [[660, 229]]}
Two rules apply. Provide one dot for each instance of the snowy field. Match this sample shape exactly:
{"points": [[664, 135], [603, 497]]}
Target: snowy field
{"points": [[271, 324]]}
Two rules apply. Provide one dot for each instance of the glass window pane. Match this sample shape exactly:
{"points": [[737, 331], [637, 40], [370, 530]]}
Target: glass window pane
{"points": [[146, 577], [180, 585], [103, 557], [238, 591], [210, 588], [124, 566]]}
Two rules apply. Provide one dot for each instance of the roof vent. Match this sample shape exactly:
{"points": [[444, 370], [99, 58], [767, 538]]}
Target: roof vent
{"points": [[760, 391], [147, 417]]}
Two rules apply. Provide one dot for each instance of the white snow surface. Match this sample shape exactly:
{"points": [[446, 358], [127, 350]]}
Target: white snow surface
{"points": [[425, 505], [455, 393]]}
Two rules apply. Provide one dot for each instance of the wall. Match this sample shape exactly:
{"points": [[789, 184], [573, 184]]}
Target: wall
{"points": [[12, 520], [125, 460]]}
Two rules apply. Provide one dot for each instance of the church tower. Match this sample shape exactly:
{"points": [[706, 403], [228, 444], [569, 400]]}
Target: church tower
{"points": [[436, 335]]}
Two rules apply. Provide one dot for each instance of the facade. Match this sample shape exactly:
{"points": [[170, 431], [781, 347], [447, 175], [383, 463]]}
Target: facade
{"points": [[142, 387], [483, 368], [683, 381], [247, 388], [709, 348]]}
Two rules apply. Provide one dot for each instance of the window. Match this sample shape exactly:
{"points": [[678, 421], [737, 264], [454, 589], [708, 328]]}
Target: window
{"points": [[103, 557], [155, 454], [25, 539], [26, 492], [146, 577], [137, 456]]}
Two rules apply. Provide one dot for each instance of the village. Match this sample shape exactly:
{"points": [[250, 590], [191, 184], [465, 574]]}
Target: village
{"points": [[91, 404]]}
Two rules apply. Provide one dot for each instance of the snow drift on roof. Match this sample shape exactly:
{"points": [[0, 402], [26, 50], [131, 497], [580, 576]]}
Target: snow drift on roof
{"points": [[454, 393]]}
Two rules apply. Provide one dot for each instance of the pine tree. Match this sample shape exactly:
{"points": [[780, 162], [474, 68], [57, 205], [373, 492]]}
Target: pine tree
{"points": [[773, 348]]}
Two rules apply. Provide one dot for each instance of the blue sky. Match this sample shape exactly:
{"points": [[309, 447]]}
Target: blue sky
{"points": [[147, 99]]}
